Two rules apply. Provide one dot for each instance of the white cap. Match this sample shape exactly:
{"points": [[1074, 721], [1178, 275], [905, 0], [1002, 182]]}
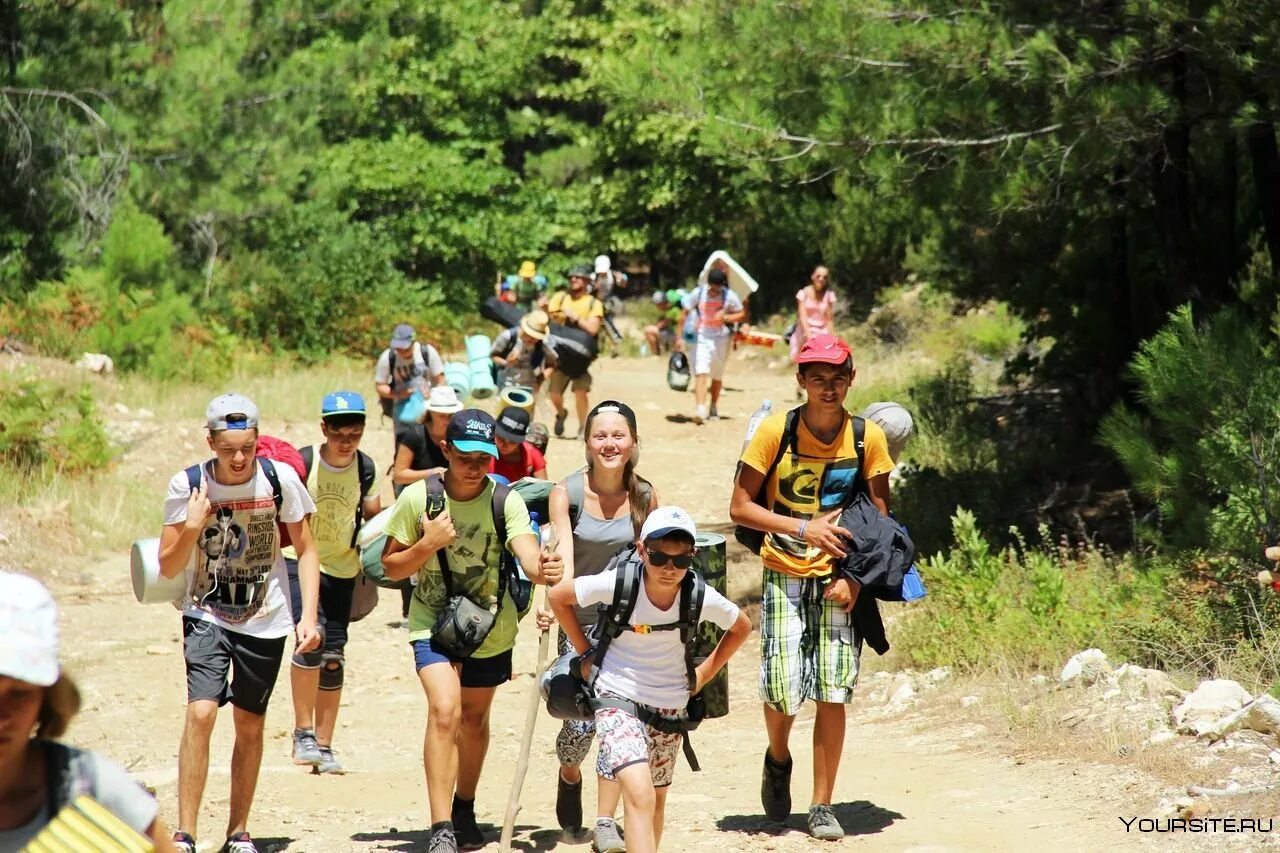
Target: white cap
{"points": [[28, 630], [602, 264], [443, 398], [664, 520]]}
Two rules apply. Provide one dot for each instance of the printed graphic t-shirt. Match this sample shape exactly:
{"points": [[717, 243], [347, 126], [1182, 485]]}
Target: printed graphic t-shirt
{"points": [[473, 559], [336, 492], [820, 479], [711, 307], [407, 373], [649, 668], [531, 459], [239, 580]]}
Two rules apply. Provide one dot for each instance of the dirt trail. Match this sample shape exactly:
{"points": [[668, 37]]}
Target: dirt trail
{"points": [[920, 783]]}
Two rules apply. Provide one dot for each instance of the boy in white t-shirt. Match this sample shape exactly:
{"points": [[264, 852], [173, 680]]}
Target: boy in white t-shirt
{"points": [[235, 614], [647, 667]]}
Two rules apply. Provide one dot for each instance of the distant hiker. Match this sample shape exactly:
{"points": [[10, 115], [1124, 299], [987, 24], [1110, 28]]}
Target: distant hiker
{"points": [[799, 471], [526, 289], [343, 483], [235, 615], [661, 335], [815, 310], [517, 458], [456, 534], [604, 505], [577, 308], [407, 365], [716, 308], [519, 353], [648, 668], [39, 775], [539, 437], [609, 286]]}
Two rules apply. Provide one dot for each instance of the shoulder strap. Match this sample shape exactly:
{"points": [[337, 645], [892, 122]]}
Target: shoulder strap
{"points": [[575, 488], [194, 475], [418, 357], [366, 473], [308, 455], [693, 592], [273, 477], [859, 444], [626, 588], [435, 495], [67, 775], [506, 560]]}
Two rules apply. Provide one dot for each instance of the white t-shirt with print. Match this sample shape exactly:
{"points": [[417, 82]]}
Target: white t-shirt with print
{"points": [[649, 668], [400, 374], [239, 581]]}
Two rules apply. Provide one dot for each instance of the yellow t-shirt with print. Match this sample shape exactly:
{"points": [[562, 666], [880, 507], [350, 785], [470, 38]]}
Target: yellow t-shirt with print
{"points": [[582, 307], [819, 479], [473, 559], [336, 492]]}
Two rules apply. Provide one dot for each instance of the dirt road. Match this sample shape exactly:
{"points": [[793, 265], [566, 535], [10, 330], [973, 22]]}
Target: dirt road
{"points": [[914, 784]]}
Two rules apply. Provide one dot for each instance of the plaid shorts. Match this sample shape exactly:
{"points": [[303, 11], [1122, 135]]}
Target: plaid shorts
{"points": [[808, 646], [624, 741]]}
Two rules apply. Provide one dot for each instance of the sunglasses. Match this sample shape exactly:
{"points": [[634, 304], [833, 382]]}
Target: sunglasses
{"points": [[661, 558]]}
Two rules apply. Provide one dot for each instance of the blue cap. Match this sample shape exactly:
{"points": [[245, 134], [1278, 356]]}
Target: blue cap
{"points": [[342, 403]]}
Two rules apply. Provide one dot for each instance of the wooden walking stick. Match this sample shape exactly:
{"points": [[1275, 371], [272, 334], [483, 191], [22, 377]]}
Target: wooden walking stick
{"points": [[531, 716]]}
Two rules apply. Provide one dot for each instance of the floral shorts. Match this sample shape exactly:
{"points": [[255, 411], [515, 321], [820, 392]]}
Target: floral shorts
{"points": [[624, 741]]}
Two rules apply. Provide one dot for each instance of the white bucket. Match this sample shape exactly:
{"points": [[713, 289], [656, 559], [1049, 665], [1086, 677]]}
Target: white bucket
{"points": [[149, 587]]}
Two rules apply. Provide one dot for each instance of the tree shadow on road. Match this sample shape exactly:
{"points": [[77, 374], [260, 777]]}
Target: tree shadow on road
{"points": [[858, 818]]}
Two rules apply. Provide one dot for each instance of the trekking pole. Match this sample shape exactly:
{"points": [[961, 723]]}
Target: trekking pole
{"points": [[530, 718]]}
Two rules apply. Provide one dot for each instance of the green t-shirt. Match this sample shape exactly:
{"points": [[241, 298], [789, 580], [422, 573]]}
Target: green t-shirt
{"points": [[336, 492], [473, 559]]}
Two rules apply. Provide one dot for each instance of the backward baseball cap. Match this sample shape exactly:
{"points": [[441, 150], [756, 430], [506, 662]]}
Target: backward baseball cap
{"points": [[231, 411]]}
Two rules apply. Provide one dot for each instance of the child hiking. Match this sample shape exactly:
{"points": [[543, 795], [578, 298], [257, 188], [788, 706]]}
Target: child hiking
{"points": [[797, 474], [646, 677]]}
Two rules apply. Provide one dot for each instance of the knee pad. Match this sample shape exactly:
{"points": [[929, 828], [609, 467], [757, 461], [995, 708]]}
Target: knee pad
{"points": [[307, 660], [331, 669]]}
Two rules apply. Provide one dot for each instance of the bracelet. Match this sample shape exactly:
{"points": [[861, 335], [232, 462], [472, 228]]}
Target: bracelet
{"points": [[803, 524]]}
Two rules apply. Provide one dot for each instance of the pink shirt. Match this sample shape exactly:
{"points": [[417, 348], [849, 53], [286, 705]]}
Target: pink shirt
{"points": [[814, 312]]}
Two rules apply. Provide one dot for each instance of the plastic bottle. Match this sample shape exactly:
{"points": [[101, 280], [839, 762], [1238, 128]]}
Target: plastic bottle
{"points": [[766, 409]]}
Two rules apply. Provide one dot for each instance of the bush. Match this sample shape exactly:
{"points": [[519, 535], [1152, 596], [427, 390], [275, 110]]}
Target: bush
{"points": [[49, 427]]}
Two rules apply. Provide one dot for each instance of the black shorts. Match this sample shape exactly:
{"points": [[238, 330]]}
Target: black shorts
{"points": [[210, 652], [333, 608]]}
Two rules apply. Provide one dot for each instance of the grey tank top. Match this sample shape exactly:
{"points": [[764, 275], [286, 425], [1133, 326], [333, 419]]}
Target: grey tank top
{"points": [[594, 542]]}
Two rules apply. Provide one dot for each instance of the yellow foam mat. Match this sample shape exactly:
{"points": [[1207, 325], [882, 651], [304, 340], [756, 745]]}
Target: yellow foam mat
{"points": [[86, 826]]}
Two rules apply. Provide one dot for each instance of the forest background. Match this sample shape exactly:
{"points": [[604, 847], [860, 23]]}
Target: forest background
{"points": [[183, 181]]}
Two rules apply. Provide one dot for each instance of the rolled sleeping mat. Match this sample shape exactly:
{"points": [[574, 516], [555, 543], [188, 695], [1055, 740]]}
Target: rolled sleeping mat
{"points": [[482, 384], [458, 377], [149, 587], [521, 398], [573, 356], [711, 562], [478, 347]]}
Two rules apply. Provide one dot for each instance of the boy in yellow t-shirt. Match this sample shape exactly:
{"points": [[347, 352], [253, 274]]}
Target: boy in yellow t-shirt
{"points": [[343, 483], [578, 308], [809, 647]]}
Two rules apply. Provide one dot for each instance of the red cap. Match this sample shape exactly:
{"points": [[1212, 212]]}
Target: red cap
{"points": [[824, 349]]}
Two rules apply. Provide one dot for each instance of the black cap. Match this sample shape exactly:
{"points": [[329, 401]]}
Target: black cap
{"points": [[471, 431], [614, 407], [717, 276], [513, 424]]}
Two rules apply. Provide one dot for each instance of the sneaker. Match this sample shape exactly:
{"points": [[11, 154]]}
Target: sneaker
{"points": [[561, 417], [569, 805], [714, 415], [700, 415], [775, 789], [184, 843], [823, 824], [305, 748], [466, 832], [608, 838], [239, 843], [442, 840], [329, 762]]}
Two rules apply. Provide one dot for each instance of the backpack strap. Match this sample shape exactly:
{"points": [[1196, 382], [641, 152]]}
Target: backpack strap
{"points": [[367, 473], [308, 455], [859, 444], [435, 496], [693, 591], [506, 560], [194, 475], [67, 775], [273, 477], [617, 616], [575, 487]]}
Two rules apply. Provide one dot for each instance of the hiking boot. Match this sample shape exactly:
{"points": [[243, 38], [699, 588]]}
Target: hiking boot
{"points": [[466, 832], [569, 805], [305, 748], [442, 840], [239, 843], [329, 762], [823, 824], [561, 417], [775, 789], [184, 843], [608, 838]]}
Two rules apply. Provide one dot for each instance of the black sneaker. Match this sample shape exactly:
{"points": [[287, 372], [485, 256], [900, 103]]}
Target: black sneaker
{"points": [[561, 417], [569, 805], [466, 831], [775, 789]]}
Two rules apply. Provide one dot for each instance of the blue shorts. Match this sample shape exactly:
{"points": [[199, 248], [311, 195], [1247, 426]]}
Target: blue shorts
{"points": [[476, 672]]}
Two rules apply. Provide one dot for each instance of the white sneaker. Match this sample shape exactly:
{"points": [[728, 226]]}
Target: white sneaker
{"points": [[700, 415]]}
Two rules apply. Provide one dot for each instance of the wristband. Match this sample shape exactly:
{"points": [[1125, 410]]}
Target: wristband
{"points": [[803, 524]]}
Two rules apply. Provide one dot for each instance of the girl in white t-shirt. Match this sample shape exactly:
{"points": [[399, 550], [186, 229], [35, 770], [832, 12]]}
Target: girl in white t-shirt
{"points": [[648, 668]]}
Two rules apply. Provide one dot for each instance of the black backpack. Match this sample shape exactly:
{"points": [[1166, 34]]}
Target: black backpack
{"points": [[753, 539], [366, 471]]}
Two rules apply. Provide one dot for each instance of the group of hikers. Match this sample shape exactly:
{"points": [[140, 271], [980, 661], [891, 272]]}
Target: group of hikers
{"points": [[271, 551]]}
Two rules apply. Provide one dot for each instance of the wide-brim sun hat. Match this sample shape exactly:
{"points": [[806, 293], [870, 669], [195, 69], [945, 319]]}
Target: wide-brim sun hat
{"points": [[535, 324], [443, 399]]}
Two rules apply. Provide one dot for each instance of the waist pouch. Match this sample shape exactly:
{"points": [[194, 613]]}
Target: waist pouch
{"points": [[461, 627]]}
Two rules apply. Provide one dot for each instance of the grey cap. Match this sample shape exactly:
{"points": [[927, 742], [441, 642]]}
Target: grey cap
{"points": [[402, 337], [231, 411]]}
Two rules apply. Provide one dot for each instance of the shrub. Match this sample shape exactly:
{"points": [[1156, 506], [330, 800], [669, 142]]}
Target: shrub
{"points": [[49, 427]]}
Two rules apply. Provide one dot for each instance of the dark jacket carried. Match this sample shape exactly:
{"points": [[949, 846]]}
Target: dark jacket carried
{"points": [[878, 557]]}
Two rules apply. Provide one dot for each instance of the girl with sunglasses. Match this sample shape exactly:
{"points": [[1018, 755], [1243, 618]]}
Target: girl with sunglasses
{"points": [[610, 503]]}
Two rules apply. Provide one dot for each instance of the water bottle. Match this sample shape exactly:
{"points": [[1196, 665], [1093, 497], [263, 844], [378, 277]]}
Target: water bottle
{"points": [[766, 409]]}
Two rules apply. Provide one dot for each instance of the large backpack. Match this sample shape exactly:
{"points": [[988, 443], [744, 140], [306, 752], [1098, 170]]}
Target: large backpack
{"points": [[753, 539], [365, 470]]}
